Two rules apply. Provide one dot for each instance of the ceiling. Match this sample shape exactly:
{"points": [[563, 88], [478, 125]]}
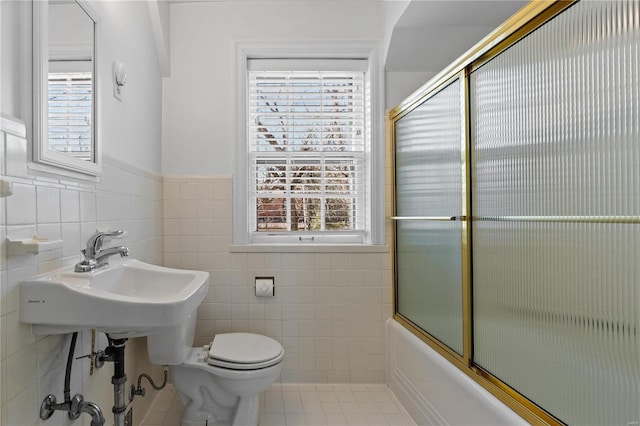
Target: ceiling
{"points": [[431, 34]]}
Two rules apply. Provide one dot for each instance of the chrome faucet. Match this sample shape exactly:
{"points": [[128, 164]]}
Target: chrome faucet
{"points": [[95, 256]]}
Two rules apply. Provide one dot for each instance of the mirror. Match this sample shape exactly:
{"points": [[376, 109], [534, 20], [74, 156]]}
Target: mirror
{"points": [[65, 95]]}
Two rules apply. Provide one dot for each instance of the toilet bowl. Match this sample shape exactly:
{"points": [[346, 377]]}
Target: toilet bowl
{"points": [[220, 383]]}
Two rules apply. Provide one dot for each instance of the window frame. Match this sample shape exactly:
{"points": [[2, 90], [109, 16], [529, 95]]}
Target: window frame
{"points": [[374, 152]]}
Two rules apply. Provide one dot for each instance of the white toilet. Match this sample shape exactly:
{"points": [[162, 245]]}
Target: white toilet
{"points": [[220, 384]]}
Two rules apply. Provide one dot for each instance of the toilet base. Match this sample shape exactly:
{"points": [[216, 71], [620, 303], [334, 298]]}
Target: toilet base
{"points": [[247, 411], [205, 401], [220, 397]]}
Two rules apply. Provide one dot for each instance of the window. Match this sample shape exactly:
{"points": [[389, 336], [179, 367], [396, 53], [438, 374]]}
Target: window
{"points": [[308, 151], [69, 118]]}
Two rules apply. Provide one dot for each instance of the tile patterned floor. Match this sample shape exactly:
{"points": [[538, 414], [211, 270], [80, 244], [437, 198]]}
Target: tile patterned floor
{"points": [[305, 405]]}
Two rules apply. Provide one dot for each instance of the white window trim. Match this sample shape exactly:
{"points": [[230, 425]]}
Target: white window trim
{"points": [[360, 50]]}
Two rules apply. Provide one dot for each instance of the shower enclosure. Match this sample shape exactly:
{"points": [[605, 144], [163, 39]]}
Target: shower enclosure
{"points": [[517, 212]]}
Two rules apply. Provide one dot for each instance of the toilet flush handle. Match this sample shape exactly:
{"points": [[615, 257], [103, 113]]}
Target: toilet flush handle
{"points": [[204, 355]]}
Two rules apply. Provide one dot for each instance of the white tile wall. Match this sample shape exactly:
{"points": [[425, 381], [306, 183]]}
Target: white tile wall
{"points": [[32, 367], [329, 308]]}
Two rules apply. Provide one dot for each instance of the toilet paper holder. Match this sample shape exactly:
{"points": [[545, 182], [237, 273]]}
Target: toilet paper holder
{"points": [[265, 287]]}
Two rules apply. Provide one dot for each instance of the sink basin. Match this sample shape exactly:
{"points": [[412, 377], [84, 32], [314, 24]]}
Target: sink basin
{"points": [[127, 298]]}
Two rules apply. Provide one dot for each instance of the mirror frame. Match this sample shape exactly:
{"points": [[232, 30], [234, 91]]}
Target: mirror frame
{"points": [[43, 158]]}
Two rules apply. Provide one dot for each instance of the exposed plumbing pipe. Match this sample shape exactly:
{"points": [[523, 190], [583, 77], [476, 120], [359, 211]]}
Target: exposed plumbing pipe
{"points": [[67, 373], [140, 390], [50, 405], [73, 406], [115, 352], [79, 405]]}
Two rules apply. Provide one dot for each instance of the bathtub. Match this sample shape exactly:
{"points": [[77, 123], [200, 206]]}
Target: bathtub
{"points": [[435, 392]]}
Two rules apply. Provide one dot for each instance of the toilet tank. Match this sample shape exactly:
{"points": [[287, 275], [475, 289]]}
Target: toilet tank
{"points": [[171, 346]]}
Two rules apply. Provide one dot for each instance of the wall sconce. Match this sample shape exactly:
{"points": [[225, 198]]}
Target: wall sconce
{"points": [[119, 79]]}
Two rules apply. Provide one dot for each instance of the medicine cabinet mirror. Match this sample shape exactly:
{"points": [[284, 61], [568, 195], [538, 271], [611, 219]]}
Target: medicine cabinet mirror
{"points": [[64, 88]]}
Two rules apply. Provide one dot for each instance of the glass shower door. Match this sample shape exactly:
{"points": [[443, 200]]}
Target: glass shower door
{"points": [[556, 209], [429, 168]]}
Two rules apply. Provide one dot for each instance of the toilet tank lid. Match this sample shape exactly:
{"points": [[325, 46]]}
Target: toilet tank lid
{"points": [[244, 348]]}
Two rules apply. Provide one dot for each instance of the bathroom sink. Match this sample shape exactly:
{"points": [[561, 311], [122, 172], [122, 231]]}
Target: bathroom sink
{"points": [[127, 298]]}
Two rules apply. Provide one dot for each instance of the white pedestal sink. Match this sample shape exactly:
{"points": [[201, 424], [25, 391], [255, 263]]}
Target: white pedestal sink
{"points": [[127, 298]]}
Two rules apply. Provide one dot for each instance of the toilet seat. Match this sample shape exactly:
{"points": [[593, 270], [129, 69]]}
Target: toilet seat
{"points": [[244, 351]]}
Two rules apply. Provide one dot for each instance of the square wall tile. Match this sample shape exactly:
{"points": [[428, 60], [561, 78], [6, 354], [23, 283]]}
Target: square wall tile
{"points": [[72, 243], [11, 285], [205, 191], [3, 247], [188, 191], [223, 189], [21, 206], [15, 156], [24, 408], [48, 204], [88, 207], [2, 145], [18, 336], [20, 368], [171, 190], [69, 206]]}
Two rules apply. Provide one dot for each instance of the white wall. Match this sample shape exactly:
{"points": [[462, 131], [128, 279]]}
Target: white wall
{"points": [[160, 14], [129, 197], [392, 12], [130, 130], [399, 85], [10, 75], [198, 121]]}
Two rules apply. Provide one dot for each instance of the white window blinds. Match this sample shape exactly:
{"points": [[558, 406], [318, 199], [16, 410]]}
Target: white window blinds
{"points": [[307, 148], [70, 111]]}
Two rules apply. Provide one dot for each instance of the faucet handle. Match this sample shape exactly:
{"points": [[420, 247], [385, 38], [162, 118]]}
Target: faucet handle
{"points": [[108, 233], [118, 233], [94, 244]]}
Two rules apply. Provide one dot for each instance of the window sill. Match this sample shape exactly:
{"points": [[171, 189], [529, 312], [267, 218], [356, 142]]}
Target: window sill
{"points": [[308, 248]]}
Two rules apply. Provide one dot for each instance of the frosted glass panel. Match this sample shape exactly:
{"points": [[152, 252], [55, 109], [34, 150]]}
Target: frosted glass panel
{"points": [[428, 267], [428, 146], [556, 205]]}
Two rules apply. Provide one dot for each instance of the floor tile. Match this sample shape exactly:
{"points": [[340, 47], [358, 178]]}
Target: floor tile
{"points": [[296, 419], [291, 404]]}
